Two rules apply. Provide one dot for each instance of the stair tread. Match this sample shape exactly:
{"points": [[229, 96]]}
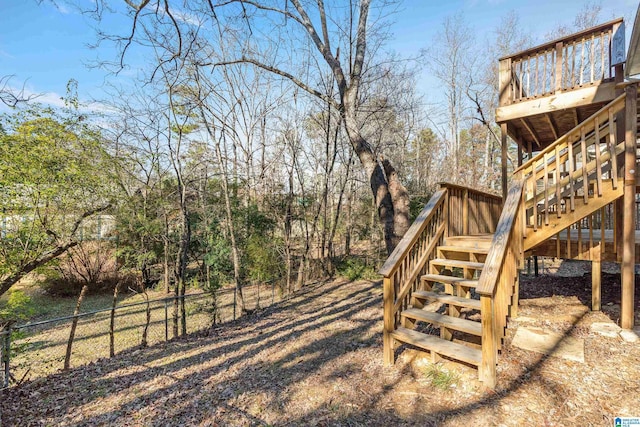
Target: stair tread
{"points": [[457, 248], [455, 323], [449, 299], [458, 263], [472, 241], [451, 280], [445, 348]]}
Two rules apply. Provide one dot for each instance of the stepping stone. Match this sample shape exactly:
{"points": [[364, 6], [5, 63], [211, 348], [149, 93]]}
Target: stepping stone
{"points": [[607, 329], [630, 336], [551, 343]]}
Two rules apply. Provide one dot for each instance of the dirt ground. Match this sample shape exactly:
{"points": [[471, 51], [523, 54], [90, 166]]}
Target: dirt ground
{"points": [[316, 360]]}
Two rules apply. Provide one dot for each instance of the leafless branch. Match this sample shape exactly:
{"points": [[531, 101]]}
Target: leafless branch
{"points": [[282, 73], [12, 97]]}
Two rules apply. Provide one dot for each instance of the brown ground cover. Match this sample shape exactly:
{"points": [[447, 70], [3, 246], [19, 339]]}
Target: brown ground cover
{"points": [[316, 360]]}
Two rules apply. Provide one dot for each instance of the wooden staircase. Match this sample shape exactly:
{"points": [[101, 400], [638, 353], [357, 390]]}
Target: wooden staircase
{"points": [[442, 290], [452, 283]]}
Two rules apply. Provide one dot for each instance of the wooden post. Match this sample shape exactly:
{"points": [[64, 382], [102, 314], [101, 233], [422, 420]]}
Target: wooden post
{"points": [[596, 277], [520, 155], [628, 232], [489, 348], [503, 131], [620, 136], [389, 322], [504, 82], [558, 73]]}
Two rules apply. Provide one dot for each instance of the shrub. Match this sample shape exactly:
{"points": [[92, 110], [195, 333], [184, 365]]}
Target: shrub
{"points": [[90, 263], [18, 307], [355, 269]]}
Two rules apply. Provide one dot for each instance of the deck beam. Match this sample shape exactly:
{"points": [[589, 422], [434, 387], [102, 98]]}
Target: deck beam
{"points": [[600, 93]]}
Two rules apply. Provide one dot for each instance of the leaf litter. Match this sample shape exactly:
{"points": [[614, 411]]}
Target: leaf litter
{"points": [[316, 360]]}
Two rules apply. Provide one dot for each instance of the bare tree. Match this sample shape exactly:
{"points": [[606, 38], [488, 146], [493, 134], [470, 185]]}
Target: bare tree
{"points": [[330, 39], [11, 96], [451, 63]]}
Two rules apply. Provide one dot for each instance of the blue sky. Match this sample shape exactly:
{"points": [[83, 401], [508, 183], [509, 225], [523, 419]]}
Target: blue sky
{"points": [[44, 45]]}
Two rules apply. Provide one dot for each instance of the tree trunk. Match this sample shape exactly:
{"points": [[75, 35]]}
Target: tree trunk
{"points": [[145, 330], [74, 325], [390, 196], [112, 321]]}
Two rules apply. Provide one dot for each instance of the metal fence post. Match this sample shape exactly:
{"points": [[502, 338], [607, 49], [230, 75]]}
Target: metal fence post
{"points": [[6, 356]]}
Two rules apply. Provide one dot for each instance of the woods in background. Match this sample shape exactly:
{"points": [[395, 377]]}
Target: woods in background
{"points": [[266, 142]]}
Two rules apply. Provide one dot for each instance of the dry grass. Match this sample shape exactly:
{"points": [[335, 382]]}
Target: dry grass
{"points": [[40, 350], [316, 359]]}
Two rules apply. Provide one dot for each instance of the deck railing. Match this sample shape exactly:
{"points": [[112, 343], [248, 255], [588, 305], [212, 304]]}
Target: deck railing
{"points": [[579, 60], [498, 282], [452, 211], [580, 164], [471, 211]]}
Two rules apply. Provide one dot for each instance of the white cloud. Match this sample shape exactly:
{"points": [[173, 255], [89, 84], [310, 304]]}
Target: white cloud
{"points": [[49, 98]]}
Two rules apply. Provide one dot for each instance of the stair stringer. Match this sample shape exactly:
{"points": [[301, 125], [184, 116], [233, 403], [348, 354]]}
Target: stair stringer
{"points": [[533, 238]]}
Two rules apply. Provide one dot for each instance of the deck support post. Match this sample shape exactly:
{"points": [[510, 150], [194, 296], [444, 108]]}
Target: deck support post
{"points": [[503, 131], [520, 155], [628, 227], [620, 136], [389, 322], [596, 277], [488, 370]]}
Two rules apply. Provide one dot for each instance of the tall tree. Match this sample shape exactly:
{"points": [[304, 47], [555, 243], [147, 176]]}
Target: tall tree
{"points": [[340, 40]]}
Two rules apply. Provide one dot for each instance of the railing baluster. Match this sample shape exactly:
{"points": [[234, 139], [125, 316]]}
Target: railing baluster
{"points": [[582, 42], [528, 77], [544, 73], [585, 181], [598, 160], [536, 88], [557, 178], [612, 150], [545, 193], [602, 69], [592, 58], [520, 80], [534, 185], [579, 247]]}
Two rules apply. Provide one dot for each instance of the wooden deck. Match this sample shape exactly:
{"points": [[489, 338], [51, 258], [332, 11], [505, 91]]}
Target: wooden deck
{"points": [[577, 245], [549, 89]]}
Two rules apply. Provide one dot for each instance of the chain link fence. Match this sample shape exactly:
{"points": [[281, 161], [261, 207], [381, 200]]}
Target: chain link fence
{"points": [[38, 349]]}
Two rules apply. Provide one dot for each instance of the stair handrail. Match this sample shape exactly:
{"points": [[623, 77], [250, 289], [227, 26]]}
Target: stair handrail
{"points": [[449, 212], [402, 269], [498, 280], [617, 104], [554, 177]]}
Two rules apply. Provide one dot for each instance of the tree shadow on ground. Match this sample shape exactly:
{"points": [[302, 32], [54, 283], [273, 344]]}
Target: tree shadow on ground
{"points": [[315, 359]]}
